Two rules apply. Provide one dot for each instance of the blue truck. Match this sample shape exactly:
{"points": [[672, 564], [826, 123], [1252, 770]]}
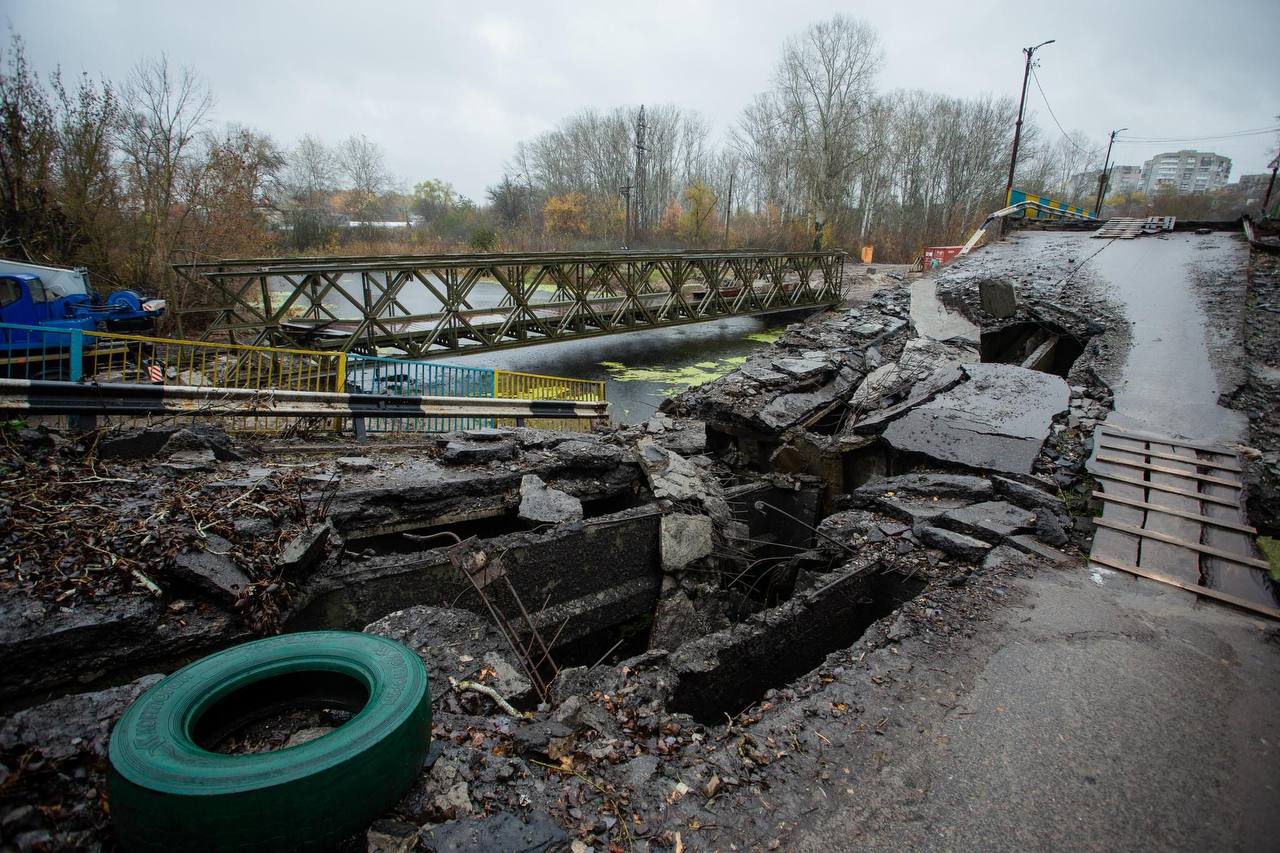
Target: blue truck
{"points": [[41, 307]]}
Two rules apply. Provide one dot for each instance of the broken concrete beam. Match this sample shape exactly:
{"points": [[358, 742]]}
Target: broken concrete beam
{"points": [[135, 443], [48, 650], [684, 539], [211, 570], [542, 504], [675, 622], [924, 485], [670, 475], [1028, 496], [1051, 512], [956, 544], [63, 728], [921, 392], [203, 438], [786, 409], [989, 520], [998, 420], [464, 450], [621, 549], [421, 492], [684, 436], [304, 550], [806, 368], [998, 298], [715, 674]]}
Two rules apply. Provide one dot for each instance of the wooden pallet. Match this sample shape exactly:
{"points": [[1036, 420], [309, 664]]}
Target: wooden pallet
{"points": [[1171, 513], [1129, 227]]}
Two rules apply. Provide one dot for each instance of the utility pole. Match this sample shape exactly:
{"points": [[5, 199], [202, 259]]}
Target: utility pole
{"points": [[638, 185], [728, 211], [625, 190], [1022, 103], [1271, 185], [1102, 179]]}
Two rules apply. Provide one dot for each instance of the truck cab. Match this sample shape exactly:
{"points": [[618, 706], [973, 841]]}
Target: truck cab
{"points": [[25, 299], [42, 310], [60, 298]]}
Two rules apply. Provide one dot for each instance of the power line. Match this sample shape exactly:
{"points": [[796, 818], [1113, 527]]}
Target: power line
{"points": [[1238, 134], [1065, 135]]}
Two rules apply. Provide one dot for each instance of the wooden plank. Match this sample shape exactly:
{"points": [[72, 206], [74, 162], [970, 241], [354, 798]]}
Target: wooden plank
{"points": [[1224, 575], [1205, 591], [1164, 439], [1222, 466], [1147, 484], [1117, 546], [1203, 519], [1148, 466], [1192, 546], [1156, 554]]}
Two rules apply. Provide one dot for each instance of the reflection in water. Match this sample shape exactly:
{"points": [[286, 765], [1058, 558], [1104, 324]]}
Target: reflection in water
{"points": [[640, 369]]}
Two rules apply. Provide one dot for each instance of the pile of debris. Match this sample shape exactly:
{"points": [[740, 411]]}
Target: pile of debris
{"points": [[752, 556]]}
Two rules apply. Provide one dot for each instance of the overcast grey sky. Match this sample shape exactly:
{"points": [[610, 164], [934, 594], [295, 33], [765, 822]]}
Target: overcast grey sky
{"points": [[448, 88]]}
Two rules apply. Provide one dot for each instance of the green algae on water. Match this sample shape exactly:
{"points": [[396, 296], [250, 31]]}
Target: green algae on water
{"points": [[767, 336], [673, 379]]}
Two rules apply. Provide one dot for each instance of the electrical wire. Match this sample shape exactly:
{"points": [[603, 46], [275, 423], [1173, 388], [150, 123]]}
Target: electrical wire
{"points": [[1155, 140], [1065, 135]]}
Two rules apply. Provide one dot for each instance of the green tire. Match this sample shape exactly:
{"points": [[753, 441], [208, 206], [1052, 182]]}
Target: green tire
{"points": [[166, 792]]}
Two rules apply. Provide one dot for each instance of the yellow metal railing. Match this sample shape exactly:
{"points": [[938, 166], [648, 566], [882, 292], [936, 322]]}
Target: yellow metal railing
{"points": [[509, 385], [112, 357]]}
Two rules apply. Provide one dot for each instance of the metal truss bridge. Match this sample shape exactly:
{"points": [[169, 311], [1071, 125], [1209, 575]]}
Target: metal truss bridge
{"points": [[422, 305]]}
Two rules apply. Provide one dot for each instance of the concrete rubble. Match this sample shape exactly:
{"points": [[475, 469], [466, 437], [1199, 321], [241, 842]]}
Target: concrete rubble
{"points": [[764, 568]]}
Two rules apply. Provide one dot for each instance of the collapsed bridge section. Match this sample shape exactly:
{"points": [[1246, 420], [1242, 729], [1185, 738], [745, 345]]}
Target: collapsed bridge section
{"points": [[420, 305]]}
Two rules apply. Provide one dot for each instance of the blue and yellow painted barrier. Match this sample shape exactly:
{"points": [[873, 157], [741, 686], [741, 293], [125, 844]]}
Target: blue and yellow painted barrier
{"points": [[1046, 207]]}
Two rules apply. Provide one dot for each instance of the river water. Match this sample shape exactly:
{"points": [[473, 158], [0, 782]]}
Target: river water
{"points": [[641, 368]]}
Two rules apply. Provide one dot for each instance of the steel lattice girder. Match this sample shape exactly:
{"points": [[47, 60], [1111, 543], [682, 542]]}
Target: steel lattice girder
{"points": [[429, 304]]}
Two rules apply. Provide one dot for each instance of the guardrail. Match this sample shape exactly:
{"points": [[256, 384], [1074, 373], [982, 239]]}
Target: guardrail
{"points": [[533, 386], [25, 396], [1251, 234], [374, 374], [72, 355], [86, 355], [106, 358]]}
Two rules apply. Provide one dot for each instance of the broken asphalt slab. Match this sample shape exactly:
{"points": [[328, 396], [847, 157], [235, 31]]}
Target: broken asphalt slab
{"points": [[998, 420]]}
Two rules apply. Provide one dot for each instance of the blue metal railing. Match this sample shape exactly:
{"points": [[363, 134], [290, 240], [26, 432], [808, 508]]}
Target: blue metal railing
{"points": [[375, 374], [41, 352], [64, 354]]}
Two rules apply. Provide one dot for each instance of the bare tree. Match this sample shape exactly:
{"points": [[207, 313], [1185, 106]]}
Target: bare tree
{"points": [[364, 167], [308, 181], [164, 113], [806, 134], [311, 172]]}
